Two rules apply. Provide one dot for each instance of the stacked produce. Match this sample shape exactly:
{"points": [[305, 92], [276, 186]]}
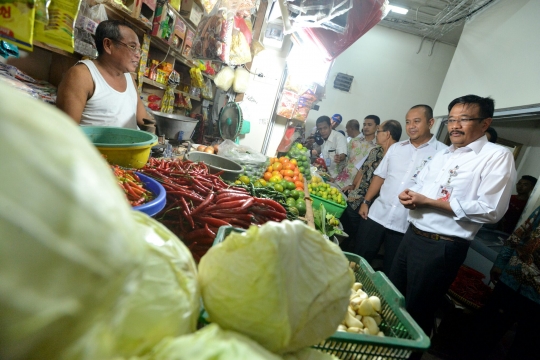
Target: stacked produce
{"points": [[292, 200], [363, 314], [300, 153], [198, 203], [319, 188], [132, 186]]}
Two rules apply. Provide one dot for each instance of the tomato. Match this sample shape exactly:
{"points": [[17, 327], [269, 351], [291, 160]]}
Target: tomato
{"points": [[267, 176], [269, 169], [288, 173], [293, 161], [296, 171], [277, 166], [295, 194], [283, 160], [301, 178], [299, 184], [295, 178], [301, 208], [300, 189], [291, 202], [288, 166], [288, 178]]}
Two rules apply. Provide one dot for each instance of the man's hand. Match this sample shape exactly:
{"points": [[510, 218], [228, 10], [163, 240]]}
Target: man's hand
{"points": [[495, 274], [411, 200], [363, 212], [339, 158], [314, 153], [347, 188]]}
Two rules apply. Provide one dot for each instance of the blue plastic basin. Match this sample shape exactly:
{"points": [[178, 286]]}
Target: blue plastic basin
{"points": [[151, 208]]}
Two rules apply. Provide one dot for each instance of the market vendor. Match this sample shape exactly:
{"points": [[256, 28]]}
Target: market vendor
{"points": [[334, 148], [315, 148], [102, 92]]}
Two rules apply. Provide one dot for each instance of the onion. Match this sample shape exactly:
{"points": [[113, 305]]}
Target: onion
{"points": [[201, 148], [209, 150]]}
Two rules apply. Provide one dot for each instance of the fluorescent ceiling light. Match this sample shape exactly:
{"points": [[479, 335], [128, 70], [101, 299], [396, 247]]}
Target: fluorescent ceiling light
{"points": [[398, 9]]}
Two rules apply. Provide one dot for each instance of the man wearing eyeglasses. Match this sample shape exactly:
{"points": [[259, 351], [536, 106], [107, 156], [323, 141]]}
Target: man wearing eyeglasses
{"points": [[463, 187], [102, 92]]}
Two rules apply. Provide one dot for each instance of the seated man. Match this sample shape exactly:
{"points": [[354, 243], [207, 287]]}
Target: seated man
{"points": [[524, 187], [102, 92]]}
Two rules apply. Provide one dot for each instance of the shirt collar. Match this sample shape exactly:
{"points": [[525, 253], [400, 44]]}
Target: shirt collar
{"points": [[430, 142], [475, 146]]}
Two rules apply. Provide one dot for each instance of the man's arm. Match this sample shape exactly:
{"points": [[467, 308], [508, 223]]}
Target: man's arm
{"points": [[141, 111], [411, 200], [374, 188], [74, 91]]}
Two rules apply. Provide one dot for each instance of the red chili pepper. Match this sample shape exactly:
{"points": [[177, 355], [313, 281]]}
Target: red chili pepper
{"points": [[204, 204], [212, 221], [191, 196], [268, 212], [230, 217], [230, 197], [209, 232], [196, 235], [277, 206]]}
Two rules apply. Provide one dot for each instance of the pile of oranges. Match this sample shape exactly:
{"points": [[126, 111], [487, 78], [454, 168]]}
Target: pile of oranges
{"points": [[284, 169]]}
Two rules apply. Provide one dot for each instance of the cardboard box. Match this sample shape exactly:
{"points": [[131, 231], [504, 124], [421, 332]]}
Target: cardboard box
{"points": [[188, 42], [163, 24], [179, 34], [191, 11]]}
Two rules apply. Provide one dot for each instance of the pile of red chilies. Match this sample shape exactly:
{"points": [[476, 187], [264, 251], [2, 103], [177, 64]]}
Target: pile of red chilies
{"points": [[198, 203]]}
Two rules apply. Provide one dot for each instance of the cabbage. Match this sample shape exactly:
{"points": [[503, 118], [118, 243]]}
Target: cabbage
{"points": [[68, 238], [309, 354], [163, 301], [282, 284], [210, 343]]}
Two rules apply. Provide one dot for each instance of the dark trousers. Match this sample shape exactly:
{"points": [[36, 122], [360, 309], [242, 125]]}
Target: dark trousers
{"points": [[369, 238], [423, 271], [504, 308], [350, 219]]}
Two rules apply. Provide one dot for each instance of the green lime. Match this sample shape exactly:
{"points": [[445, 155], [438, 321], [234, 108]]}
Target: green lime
{"points": [[290, 185], [303, 158], [287, 192], [257, 184], [295, 194], [291, 202], [244, 179], [278, 187], [301, 208], [301, 169]]}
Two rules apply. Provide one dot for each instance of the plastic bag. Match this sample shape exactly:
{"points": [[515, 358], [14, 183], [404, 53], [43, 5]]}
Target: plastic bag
{"points": [[240, 43], [208, 5], [97, 13], [241, 80], [206, 91], [197, 79], [224, 79], [19, 25], [241, 153], [60, 30], [213, 38]]}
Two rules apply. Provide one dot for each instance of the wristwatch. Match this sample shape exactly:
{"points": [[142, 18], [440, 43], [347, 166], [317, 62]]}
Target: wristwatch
{"points": [[367, 202]]}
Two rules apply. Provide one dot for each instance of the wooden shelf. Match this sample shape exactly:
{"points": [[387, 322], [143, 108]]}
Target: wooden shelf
{"points": [[115, 11], [162, 87], [56, 50]]}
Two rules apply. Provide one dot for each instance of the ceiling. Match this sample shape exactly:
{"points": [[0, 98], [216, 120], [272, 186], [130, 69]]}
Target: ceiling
{"points": [[440, 20]]}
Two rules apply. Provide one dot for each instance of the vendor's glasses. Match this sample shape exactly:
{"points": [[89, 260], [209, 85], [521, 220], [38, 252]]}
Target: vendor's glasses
{"points": [[135, 50]]}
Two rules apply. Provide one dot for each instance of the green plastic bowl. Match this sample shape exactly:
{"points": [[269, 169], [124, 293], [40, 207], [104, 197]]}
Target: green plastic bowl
{"points": [[123, 147]]}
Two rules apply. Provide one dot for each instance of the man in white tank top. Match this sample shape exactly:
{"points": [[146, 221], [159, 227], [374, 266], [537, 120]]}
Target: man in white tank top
{"points": [[102, 91]]}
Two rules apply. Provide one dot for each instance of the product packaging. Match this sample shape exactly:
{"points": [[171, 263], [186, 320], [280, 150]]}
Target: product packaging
{"points": [[59, 32], [17, 22]]}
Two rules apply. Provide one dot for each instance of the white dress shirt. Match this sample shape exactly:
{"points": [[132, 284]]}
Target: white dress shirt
{"points": [[336, 141], [483, 176], [399, 168]]}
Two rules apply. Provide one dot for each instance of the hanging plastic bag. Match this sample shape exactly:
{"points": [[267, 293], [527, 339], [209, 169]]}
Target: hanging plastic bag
{"points": [[197, 79], [97, 13], [224, 79], [213, 38], [60, 30], [18, 28], [240, 43], [206, 91], [241, 80]]}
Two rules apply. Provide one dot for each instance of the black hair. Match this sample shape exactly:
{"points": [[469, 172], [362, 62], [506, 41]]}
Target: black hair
{"points": [[530, 178], [486, 105], [353, 124], [492, 134], [109, 29], [374, 118], [428, 111], [394, 127], [323, 119]]}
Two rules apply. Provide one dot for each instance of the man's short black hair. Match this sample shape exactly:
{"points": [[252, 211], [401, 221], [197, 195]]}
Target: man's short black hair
{"points": [[492, 134], [486, 105], [530, 178], [323, 119], [394, 127], [353, 124], [374, 118], [428, 111], [109, 29]]}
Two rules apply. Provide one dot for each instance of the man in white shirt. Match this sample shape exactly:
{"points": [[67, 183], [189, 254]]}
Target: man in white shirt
{"points": [[386, 220], [463, 187], [315, 148], [334, 148]]}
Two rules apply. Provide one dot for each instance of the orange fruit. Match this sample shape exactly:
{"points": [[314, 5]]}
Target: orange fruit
{"points": [[269, 169], [295, 178], [299, 189], [296, 171], [299, 184], [293, 161], [277, 166], [283, 160], [272, 161], [288, 178], [288, 166], [300, 178], [288, 173], [267, 176]]}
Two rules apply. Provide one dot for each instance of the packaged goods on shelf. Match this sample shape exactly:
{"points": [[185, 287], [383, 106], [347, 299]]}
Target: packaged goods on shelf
{"points": [[287, 104], [164, 21], [188, 43], [35, 88], [179, 34], [191, 11], [213, 38], [18, 28], [59, 32]]}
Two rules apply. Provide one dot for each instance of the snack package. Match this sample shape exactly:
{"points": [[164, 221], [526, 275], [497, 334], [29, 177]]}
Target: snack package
{"points": [[287, 104], [17, 22], [240, 43], [213, 38], [206, 91], [60, 30], [197, 79]]}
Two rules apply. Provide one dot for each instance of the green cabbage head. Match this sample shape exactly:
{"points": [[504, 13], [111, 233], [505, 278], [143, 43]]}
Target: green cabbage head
{"points": [[282, 285], [68, 240], [210, 343], [162, 301]]}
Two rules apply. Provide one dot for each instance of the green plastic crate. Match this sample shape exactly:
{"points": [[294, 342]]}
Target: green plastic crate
{"points": [[403, 335], [331, 207]]}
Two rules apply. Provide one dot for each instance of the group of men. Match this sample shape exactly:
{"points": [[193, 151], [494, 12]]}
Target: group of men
{"points": [[426, 201]]}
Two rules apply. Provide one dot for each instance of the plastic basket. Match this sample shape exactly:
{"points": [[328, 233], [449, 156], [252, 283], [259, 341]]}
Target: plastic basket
{"points": [[153, 207], [402, 333], [331, 207]]}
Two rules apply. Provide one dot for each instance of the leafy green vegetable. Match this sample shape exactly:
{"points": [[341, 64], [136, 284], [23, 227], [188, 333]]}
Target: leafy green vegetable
{"points": [[210, 343], [68, 238], [282, 285], [326, 223]]}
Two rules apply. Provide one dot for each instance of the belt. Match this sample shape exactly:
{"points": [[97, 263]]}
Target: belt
{"points": [[434, 236]]}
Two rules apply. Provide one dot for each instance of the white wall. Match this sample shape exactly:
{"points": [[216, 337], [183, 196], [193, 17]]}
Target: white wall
{"points": [[498, 55], [389, 77]]}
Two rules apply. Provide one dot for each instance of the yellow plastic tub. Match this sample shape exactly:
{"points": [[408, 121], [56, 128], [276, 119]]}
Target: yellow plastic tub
{"points": [[123, 147]]}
